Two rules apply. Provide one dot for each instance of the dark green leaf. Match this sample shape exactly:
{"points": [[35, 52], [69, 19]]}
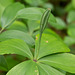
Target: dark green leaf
{"points": [[3, 63]]}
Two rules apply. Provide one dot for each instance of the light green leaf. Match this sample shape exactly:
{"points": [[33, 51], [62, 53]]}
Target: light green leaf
{"points": [[24, 68], [34, 2], [5, 3], [32, 13], [50, 45], [48, 5], [15, 46], [33, 25], [71, 16], [71, 30], [12, 34], [73, 3], [52, 18], [64, 61], [69, 40], [48, 70], [8, 15], [59, 24], [51, 32], [1, 11], [17, 25], [3, 63]]}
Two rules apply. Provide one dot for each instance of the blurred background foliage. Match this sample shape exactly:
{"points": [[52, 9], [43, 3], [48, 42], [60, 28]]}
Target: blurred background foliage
{"points": [[63, 10]]}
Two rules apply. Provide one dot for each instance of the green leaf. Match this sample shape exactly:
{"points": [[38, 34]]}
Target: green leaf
{"points": [[5, 3], [8, 15], [50, 45], [51, 32], [71, 30], [17, 25], [48, 70], [69, 40], [12, 34], [59, 24], [3, 63], [32, 13], [1, 11], [71, 16], [33, 25], [69, 7], [64, 61], [34, 2], [24, 68], [15, 46], [11, 61], [52, 18], [48, 5], [73, 3]]}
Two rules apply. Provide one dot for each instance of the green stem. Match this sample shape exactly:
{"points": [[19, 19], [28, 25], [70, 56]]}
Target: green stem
{"points": [[1, 30], [43, 24]]}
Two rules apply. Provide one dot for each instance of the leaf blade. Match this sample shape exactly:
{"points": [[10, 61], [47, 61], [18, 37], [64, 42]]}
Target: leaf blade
{"points": [[64, 61], [16, 34], [15, 46]]}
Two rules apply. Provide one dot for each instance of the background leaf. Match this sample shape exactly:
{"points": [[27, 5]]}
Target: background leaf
{"points": [[59, 24], [3, 63], [71, 16], [8, 15], [69, 40]]}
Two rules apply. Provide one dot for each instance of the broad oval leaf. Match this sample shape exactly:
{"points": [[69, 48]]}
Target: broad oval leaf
{"points": [[33, 25], [59, 24], [8, 15], [16, 34], [17, 25], [3, 63], [5, 3], [71, 30], [50, 45], [69, 40], [15, 46], [24, 68], [71, 16], [48, 70], [64, 61], [32, 68], [32, 13]]}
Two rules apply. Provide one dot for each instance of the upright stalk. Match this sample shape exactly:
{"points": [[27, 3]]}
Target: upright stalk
{"points": [[44, 21]]}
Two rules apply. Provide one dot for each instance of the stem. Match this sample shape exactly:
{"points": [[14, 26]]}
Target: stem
{"points": [[43, 24], [1, 30]]}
